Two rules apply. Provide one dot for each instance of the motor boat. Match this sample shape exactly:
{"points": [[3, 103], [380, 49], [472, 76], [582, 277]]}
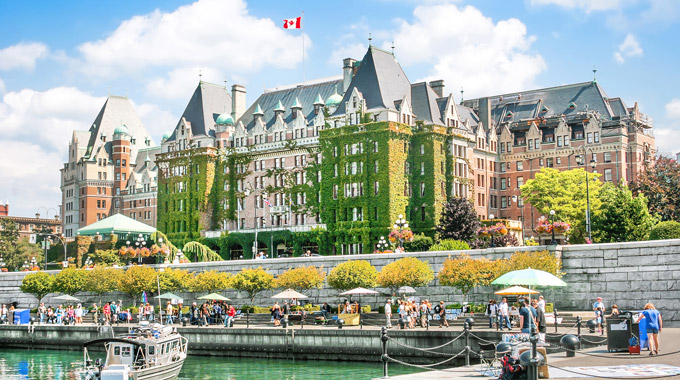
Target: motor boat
{"points": [[147, 352]]}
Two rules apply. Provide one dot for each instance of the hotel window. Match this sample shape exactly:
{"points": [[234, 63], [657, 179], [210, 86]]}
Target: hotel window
{"points": [[540, 162], [335, 191], [520, 182], [124, 162], [607, 157], [558, 160], [549, 162], [503, 183], [375, 147], [559, 141], [422, 168], [504, 202], [536, 144], [422, 189], [607, 175], [375, 166], [531, 144], [520, 166], [590, 137], [422, 149], [596, 136], [502, 148], [376, 187], [117, 163], [502, 167]]}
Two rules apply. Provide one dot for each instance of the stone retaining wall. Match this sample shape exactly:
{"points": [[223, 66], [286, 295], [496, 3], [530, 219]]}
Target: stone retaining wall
{"points": [[629, 274]]}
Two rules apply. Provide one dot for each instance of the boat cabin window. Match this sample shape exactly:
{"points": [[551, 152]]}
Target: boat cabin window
{"points": [[116, 351], [152, 350], [126, 352]]}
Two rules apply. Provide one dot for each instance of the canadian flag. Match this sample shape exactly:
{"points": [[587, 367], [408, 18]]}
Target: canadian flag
{"points": [[292, 23]]}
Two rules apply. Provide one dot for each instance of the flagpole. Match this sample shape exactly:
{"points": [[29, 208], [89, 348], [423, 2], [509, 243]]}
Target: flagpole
{"points": [[302, 29]]}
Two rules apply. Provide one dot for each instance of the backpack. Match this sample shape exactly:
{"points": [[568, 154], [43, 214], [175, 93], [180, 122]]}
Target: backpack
{"points": [[511, 368]]}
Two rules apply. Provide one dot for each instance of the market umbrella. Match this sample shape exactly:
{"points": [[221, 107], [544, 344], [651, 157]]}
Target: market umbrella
{"points": [[67, 297], [214, 297], [358, 291], [406, 290], [513, 290], [289, 293], [529, 277], [168, 296], [144, 300]]}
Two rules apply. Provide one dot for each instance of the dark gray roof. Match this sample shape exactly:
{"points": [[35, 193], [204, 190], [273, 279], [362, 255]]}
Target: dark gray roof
{"points": [[618, 107], [425, 105], [380, 79], [206, 104], [306, 94], [547, 102], [117, 110], [467, 113]]}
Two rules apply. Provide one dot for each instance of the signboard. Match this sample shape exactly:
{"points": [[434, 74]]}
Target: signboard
{"points": [[32, 238]]}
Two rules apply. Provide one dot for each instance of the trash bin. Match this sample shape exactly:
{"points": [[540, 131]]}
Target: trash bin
{"points": [[619, 331], [22, 316]]}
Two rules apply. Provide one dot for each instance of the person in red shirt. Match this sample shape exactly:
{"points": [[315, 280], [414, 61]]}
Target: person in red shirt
{"points": [[107, 313], [231, 313]]}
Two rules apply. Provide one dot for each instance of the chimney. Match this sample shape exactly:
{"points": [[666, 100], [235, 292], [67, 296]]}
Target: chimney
{"points": [[485, 112], [347, 73], [438, 87], [238, 101], [37, 215]]}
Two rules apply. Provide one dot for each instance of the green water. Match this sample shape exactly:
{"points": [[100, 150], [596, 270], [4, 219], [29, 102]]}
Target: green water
{"points": [[58, 365]]}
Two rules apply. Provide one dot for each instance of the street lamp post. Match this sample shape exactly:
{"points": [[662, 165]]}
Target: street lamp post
{"points": [[382, 244], [493, 243], [517, 199], [140, 243], [552, 221], [593, 163], [401, 224]]}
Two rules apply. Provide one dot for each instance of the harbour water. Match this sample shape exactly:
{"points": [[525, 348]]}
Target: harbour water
{"points": [[18, 364]]}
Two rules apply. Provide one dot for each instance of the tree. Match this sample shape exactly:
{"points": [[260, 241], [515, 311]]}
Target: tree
{"points": [[252, 281], [665, 230], [200, 252], [69, 281], [352, 274], [622, 217], [25, 252], [420, 243], [39, 284], [9, 235], [301, 278], [210, 281], [450, 245], [408, 271], [465, 273], [564, 192], [136, 280], [541, 260], [101, 280], [105, 257], [661, 184], [459, 220], [172, 279]]}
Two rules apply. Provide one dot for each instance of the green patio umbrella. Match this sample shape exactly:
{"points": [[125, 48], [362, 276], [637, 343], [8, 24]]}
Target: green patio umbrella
{"points": [[214, 297], [529, 277], [169, 296]]}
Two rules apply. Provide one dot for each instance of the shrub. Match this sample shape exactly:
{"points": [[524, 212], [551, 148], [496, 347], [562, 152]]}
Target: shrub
{"points": [[136, 280], [301, 278], [408, 271], [38, 284], [459, 220], [101, 281], [106, 257], [69, 281], [173, 279], [450, 245], [420, 243], [665, 230], [209, 281], [252, 281], [352, 274], [366, 309], [465, 273], [507, 240], [542, 260]]}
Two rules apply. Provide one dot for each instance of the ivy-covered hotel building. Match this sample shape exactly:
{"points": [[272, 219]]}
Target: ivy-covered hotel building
{"points": [[328, 165]]}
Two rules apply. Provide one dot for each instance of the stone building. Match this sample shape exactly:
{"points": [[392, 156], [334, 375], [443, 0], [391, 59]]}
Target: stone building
{"points": [[107, 169], [28, 225], [328, 165]]}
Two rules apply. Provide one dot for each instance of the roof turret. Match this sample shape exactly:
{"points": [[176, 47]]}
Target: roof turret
{"points": [[296, 104], [279, 107], [319, 100], [225, 119], [121, 130], [334, 100]]}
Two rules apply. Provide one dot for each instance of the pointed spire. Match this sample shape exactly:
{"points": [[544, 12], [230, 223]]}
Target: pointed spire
{"points": [[279, 107], [296, 104], [319, 100], [147, 159], [258, 110], [594, 75]]}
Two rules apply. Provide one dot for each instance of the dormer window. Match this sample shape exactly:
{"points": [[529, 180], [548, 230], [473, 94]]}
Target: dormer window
{"points": [[103, 138], [544, 109], [572, 106], [508, 115]]}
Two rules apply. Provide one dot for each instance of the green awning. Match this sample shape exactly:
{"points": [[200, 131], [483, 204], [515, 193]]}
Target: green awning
{"points": [[116, 224]]}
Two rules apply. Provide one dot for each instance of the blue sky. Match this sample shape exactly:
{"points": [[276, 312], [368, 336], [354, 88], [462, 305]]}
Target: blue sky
{"points": [[58, 61]]}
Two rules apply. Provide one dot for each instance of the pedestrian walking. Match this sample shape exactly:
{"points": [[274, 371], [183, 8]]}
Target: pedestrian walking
{"points": [[504, 314], [491, 312], [599, 309], [440, 310], [388, 313], [654, 325]]}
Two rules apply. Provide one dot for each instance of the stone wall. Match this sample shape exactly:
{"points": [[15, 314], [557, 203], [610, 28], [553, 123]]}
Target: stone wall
{"points": [[629, 274]]}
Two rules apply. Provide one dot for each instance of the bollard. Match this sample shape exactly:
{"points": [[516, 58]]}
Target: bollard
{"points": [[532, 373], [555, 314], [466, 330], [569, 342], [578, 330], [383, 339]]}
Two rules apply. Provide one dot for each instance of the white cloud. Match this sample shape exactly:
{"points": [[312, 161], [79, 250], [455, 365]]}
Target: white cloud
{"points": [[22, 55], [217, 33], [584, 5], [2, 87], [673, 110], [156, 120], [180, 82], [351, 50], [468, 49], [667, 137], [630, 47]]}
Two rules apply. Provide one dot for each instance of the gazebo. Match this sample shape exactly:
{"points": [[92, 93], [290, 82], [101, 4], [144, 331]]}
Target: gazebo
{"points": [[117, 224]]}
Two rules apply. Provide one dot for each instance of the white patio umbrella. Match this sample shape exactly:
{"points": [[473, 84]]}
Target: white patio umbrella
{"points": [[67, 297], [289, 293], [406, 290], [357, 291]]}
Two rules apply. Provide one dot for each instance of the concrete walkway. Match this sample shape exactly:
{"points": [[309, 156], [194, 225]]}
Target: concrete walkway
{"points": [[669, 343]]}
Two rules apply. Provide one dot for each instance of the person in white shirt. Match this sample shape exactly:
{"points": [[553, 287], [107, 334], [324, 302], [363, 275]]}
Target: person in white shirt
{"points": [[388, 313], [541, 303], [504, 315]]}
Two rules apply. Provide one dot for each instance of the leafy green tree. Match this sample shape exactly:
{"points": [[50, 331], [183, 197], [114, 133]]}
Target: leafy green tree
{"points": [[352, 274], [136, 280], [450, 245], [69, 281], [252, 281], [39, 284], [25, 252], [200, 252], [408, 271], [665, 230], [660, 182], [458, 221], [420, 243], [301, 278], [622, 217], [209, 281], [172, 279], [564, 192], [101, 280], [465, 273], [541, 260], [106, 257], [9, 236]]}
